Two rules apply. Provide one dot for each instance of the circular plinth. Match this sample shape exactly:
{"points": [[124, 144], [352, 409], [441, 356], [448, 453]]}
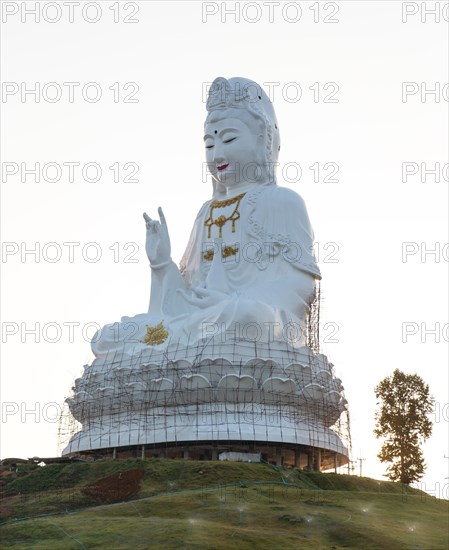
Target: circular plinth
{"points": [[240, 392]]}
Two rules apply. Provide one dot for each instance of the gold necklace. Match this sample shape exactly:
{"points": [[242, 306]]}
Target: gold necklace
{"points": [[221, 220]]}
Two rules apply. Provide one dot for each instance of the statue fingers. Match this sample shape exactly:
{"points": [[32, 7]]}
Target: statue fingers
{"points": [[211, 293], [161, 216], [202, 291], [152, 225]]}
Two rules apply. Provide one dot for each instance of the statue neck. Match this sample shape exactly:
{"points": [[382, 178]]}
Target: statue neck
{"points": [[235, 190], [244, 187]]}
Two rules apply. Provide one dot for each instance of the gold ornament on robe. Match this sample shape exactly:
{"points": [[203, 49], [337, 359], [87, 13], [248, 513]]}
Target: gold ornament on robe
{"points": [[221, 220], [226, 252], [155, 335]]}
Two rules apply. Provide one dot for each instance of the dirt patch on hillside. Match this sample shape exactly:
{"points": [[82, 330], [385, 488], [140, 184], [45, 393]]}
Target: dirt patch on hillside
{"points": [[7, 473], [6, 504], [115, 487]]}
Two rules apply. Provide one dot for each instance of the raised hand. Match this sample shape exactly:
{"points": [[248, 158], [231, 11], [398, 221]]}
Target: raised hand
{"points": [[157, 243]]}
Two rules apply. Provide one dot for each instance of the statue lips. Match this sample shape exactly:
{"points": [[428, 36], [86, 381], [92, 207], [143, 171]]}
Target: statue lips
{"points": [[222, 167]]}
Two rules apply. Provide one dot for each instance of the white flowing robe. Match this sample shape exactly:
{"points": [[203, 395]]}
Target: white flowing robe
{"points": [[261, 293]]}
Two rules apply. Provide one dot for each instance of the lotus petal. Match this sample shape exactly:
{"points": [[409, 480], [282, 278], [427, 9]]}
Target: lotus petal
{"points": [[194, 381], [279, 385]]}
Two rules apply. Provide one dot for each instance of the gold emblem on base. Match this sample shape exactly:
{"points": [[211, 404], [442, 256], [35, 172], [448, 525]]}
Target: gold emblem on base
{"points": [[155, 335]]}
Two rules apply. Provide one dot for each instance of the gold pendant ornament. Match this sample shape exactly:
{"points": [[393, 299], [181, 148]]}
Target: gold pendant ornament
{"points": [[221, 220], [226, 252], [155, 335]]}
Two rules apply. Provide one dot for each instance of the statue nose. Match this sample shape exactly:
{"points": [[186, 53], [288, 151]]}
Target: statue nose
{"points": [[218, 155]]}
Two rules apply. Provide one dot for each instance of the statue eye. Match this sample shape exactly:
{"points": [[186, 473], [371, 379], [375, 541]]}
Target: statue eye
{"points": [[209, 146], [229, 140]]}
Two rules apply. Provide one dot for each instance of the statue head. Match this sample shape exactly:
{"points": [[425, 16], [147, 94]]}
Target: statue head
{"points": [[241, 134]]}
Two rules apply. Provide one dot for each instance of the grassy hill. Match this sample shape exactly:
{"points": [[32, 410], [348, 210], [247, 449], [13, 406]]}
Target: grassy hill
{"points": [[173, 504]]}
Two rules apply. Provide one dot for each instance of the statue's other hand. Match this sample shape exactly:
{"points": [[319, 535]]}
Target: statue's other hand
{"points": [[157, 243], [206, 297]]}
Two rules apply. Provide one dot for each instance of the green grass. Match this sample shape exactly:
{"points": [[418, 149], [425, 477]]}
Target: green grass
{"points": [[188, 504]]}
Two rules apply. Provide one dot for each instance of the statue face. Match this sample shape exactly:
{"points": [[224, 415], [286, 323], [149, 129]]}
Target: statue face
{"points": [[234, 151]]}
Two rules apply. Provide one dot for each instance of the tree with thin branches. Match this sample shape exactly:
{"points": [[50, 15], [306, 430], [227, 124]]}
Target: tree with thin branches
{"points": [[402, 420]]}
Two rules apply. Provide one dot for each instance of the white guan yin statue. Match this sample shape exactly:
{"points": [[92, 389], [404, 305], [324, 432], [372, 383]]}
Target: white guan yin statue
{"points": [[227, 328]]}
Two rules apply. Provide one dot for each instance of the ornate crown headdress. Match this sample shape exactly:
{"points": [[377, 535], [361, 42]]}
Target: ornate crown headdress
{"points": [[222, 95]]}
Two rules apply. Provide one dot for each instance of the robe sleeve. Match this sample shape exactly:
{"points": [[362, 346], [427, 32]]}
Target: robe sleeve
{"points": [[280, 222], [190, 262]]}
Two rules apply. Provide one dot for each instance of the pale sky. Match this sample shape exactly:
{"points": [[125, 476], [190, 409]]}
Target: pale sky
{"points": [[340, 97]]}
